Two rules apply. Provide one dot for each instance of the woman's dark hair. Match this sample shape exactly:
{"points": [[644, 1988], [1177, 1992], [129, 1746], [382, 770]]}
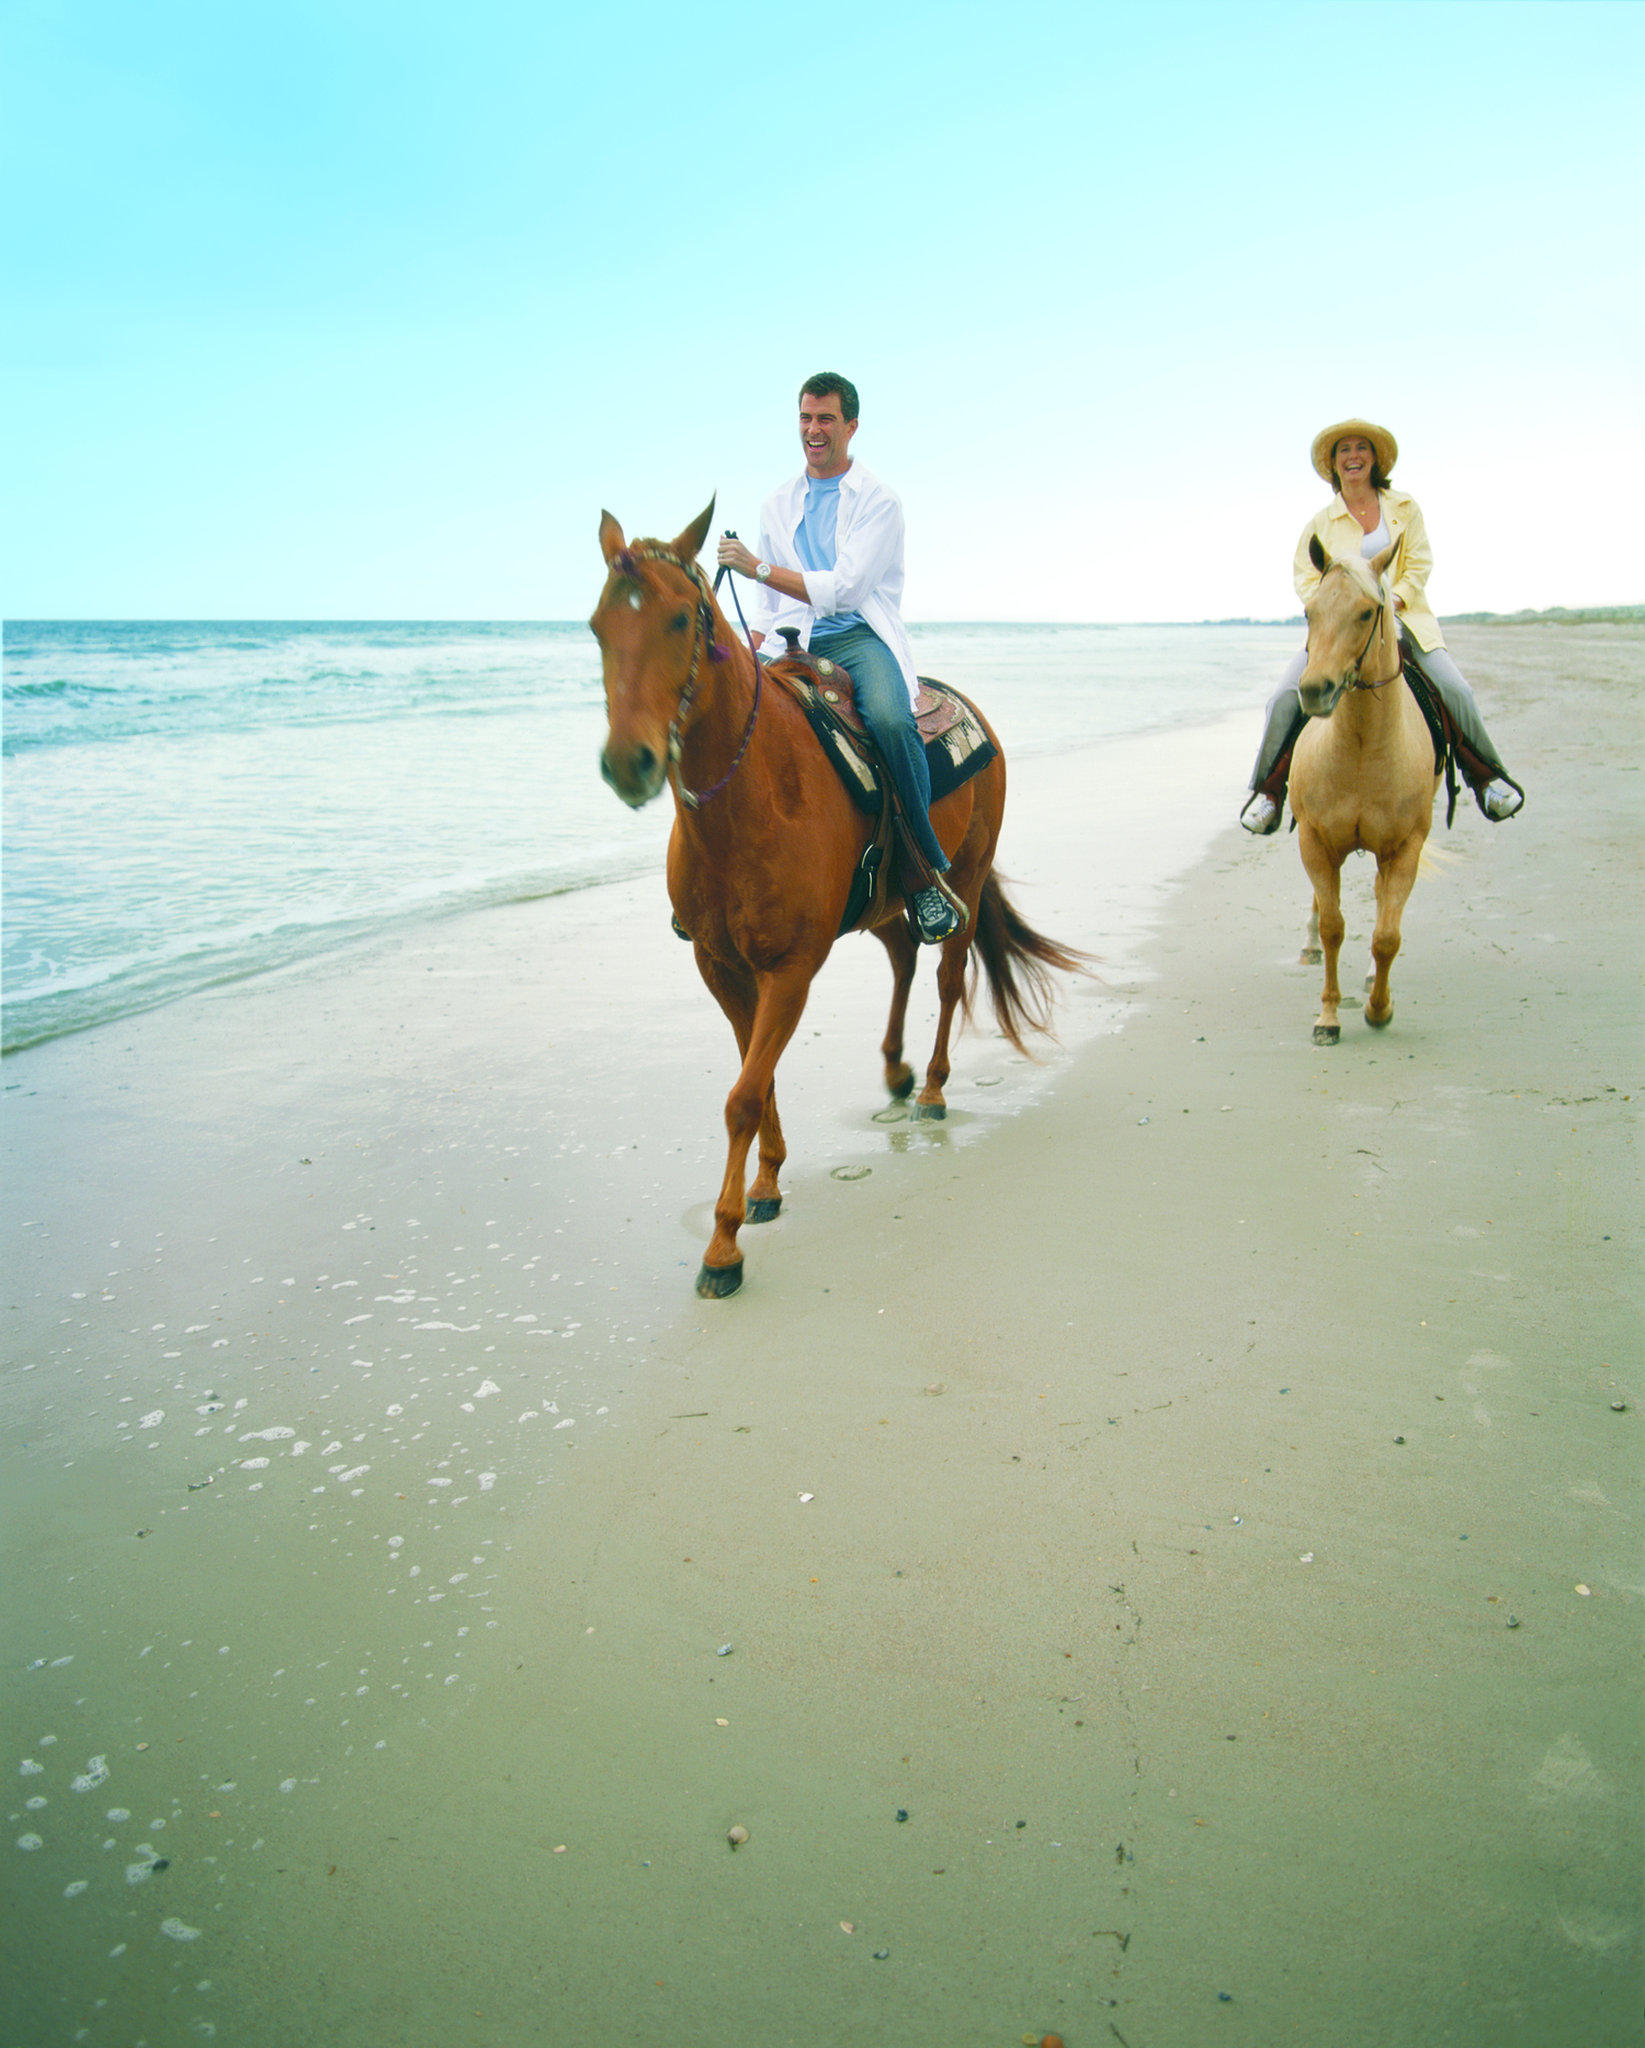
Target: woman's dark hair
{"points": [[827, 385]]}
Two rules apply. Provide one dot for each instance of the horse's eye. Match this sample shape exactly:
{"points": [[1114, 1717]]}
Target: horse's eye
{"points": [[679, 622], [1364, 615]]}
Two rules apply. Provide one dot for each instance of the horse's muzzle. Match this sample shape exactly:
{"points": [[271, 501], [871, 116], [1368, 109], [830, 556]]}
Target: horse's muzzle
{"points": [[635, 773], [1320, 696]]}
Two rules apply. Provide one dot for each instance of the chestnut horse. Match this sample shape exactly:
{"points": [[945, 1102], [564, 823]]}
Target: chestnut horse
{"points": [[763, 852], [1363, 773]]}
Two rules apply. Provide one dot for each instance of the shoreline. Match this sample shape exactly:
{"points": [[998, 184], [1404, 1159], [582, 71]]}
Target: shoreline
{"points": [[208, 914], [582, 1011], [1176, 1621], [1557, 614]]}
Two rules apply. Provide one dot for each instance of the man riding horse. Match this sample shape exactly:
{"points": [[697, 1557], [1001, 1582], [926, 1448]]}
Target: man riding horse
{"points": [[830, 568]]}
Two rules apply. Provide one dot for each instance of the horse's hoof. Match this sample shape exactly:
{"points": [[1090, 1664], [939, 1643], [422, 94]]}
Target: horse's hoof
{"points": [[901, 1089], [1327, 1034], [714, 1283], [928, 1113], [763, 1209], [1380, 1023], [1310, 956]]}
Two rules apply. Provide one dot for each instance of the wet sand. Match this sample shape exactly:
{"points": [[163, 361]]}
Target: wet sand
{"points": [[1171, 1537]]}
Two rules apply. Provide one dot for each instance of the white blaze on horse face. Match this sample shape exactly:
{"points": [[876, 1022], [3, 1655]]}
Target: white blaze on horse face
{"points": [[633, 760]]}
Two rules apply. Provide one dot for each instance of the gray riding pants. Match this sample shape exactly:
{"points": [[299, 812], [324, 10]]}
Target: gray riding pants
{"points": [[1285, 716]]}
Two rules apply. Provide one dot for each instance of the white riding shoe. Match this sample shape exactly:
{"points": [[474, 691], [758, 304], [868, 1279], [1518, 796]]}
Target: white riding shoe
{"points": [[1500, 800], [1260, 815]]}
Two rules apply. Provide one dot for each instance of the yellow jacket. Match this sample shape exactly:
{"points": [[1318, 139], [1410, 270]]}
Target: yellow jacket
{"points": [[1340, 533]]}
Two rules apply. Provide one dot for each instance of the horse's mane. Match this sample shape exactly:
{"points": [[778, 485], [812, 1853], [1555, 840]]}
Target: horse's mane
{"points": [[1358, 570]]}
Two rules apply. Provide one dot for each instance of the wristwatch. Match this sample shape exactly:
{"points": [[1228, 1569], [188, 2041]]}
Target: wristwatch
{"points": [[762, 572]]}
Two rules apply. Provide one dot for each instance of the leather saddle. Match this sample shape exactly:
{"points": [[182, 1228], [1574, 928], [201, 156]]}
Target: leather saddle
{"points": [[957, 746], [956, 741]]}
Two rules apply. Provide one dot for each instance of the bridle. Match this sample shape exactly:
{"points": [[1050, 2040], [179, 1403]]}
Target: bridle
{"points": [[1356, 680], [702, 636]]}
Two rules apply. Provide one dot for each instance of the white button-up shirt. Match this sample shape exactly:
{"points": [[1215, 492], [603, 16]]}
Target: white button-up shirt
{"points": [[867, 573]]}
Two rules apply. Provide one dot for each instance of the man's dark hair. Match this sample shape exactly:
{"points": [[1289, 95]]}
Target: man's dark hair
{"points": [[827, 385]]}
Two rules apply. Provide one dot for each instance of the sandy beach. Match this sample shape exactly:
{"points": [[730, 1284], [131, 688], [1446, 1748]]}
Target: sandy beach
{"points": [[1154, 1559]]}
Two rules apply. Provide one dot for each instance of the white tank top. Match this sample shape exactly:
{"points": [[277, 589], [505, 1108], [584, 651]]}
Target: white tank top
{"points": [[1374, 543]]}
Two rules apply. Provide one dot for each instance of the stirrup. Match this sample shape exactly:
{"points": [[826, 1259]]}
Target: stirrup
{"points": [[934, 916], [1260, 814], [1499, 800]]}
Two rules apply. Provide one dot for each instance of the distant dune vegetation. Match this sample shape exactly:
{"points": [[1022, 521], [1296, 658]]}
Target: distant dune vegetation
{"points": [[1556, 615]]}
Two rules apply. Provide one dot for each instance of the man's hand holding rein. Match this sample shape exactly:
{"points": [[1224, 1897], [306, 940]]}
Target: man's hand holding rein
{"points": [[733, 555]]}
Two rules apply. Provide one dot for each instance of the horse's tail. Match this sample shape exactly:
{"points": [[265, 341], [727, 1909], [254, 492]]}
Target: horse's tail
{"points": [[1019, 962]]}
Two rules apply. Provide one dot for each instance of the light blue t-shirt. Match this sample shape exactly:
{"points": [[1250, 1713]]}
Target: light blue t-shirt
{"points": [[814, 544]]}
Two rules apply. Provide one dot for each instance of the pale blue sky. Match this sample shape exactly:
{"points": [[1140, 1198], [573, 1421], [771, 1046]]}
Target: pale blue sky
{"points": [[352, 309]]}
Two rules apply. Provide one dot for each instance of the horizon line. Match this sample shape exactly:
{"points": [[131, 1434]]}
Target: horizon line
{"points": [[1599, 612]]}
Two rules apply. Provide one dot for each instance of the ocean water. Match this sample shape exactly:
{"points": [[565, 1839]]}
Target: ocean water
{"points": [[190, 802]]}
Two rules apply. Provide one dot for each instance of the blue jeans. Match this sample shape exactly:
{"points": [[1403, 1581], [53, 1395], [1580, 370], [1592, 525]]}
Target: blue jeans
{"points": [[882, 698]]}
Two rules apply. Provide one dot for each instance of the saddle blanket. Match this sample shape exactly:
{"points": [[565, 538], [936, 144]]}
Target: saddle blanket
{"points": [[957, 745]]}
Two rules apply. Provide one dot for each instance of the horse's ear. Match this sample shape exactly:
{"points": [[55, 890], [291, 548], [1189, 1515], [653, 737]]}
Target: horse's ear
{"points": [[611, 536], [1317, 555], [1379, 563], [690, 543]]}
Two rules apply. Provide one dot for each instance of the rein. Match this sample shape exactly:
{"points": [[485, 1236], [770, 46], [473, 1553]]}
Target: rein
{"points": [[1358, 681], [702, 636]]}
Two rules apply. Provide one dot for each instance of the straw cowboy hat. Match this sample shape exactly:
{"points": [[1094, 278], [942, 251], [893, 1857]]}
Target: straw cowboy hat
{"points": [[1387, 448]]}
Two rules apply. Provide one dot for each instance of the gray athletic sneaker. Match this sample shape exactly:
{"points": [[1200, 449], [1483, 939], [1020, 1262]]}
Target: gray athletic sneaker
{"points": [[936, 917], [1260, 815], [1501, 800]]}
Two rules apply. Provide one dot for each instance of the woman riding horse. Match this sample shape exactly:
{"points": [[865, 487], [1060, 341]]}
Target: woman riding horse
{"points": [[1368, 515]]}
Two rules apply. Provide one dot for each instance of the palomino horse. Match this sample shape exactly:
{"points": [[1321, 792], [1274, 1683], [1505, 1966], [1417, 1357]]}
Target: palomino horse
{"points": [[764, 846], [1363, 774]]}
